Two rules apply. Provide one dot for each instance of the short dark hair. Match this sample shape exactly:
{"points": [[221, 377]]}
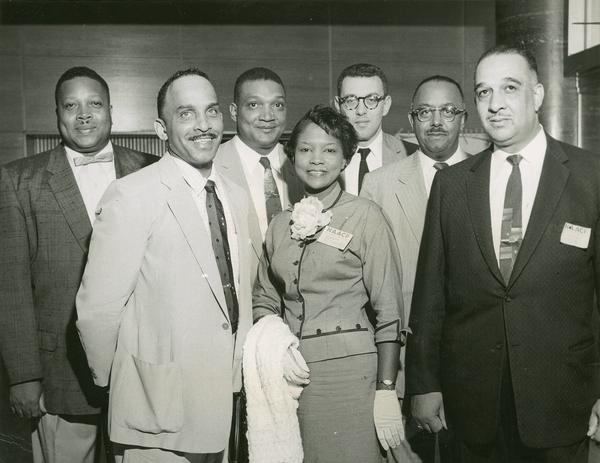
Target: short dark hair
{"points": [[79, 71], [362, 70], [162, 93], [516, 49], [253, 74], [438, 78], [332, 122]]}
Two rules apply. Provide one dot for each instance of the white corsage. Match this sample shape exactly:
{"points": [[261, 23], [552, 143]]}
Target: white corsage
{"points": [[307, 217]]}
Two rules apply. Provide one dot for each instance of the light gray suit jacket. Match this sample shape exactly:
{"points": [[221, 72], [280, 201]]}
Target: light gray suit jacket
{"points": [[230, 165], [152, 314]]}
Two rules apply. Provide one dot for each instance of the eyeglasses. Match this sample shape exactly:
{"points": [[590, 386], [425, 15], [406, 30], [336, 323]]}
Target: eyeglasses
{"points": [[351, 102], [448, 112]]}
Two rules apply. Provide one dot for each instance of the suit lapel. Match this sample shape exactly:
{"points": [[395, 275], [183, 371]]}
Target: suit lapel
{"points": [[198, 238], [478, 200], [553, 180], [411, 194], [230, 166], [64, 187]]}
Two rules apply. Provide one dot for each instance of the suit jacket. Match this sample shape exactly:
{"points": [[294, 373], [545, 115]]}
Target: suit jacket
{"points": [[395, 149], [230, 165], [466, 321], [45, 230], [152, 314]]}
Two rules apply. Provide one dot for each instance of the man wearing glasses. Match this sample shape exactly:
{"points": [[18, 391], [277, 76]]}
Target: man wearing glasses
{"points": [[437, 117], [363, 98]]}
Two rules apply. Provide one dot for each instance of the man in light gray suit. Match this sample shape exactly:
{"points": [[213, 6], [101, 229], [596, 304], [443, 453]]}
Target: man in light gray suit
{"points": [[254, 158], [364, 99], [437, 117]]}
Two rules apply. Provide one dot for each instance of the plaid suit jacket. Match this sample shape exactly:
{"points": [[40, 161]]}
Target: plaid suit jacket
{"points": [[45, 231]]}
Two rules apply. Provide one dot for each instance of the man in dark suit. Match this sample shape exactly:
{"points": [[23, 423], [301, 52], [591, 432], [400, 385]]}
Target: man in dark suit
{"points": [[47, 206], [503, 342], [362, 96]]}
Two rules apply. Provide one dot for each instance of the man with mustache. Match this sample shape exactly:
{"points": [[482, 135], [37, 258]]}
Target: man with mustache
{"points": [[402, 188], [503, 343], [47, 206], [363, 97], [165, 300], [254, 158]]}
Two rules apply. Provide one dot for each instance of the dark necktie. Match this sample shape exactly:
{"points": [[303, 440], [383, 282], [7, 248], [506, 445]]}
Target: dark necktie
{"points": [[272, 200], [220, 244], [511, 233], [363, 168], [440, 165]]}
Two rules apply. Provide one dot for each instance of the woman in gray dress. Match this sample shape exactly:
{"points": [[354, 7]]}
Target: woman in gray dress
{"points": [[332, 260]]}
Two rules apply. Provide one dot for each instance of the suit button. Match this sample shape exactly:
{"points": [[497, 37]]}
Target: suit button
{"points": [[300, 317], [225, 326], [499, 346], [300, 299], [295, 281], [338, 328], [295, 262], [507, 299]]}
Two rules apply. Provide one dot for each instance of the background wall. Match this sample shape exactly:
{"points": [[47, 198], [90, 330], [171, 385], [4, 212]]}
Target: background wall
{"points": [[308, 44]]}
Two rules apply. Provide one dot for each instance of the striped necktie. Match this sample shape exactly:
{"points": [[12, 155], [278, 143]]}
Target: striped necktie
{"points": [[511, 233]]}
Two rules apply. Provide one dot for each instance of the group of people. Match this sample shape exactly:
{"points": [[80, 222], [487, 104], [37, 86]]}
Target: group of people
{"points": [[355, 242]]}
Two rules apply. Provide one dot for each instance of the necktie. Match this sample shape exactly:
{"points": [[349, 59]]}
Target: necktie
{"points": [[272, 200], [363, 168], [440, 165], [85, 160], [511, 233], [220, 244]]}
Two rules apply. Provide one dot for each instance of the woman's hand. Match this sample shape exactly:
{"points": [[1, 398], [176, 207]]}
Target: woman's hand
{"points": [[388, 419], [295, 369]]}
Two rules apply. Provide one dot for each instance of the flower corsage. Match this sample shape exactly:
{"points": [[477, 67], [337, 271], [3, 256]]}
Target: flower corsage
{"points": [[307, 218]]}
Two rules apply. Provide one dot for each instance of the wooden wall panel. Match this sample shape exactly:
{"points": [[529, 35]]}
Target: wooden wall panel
{"points": [[11, 92]]}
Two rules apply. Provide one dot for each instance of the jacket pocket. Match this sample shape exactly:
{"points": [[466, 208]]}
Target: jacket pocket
{"points": [[148, 397]]}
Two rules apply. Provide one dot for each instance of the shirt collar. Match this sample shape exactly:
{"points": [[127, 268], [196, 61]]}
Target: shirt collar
{"points": [[533, 152], [251, 158], [376, 146], [193, 177], [72, 154], [458, 156]]}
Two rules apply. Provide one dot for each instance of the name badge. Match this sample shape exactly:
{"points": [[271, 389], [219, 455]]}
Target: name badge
{"points": [[575, 235], [336, 238]]}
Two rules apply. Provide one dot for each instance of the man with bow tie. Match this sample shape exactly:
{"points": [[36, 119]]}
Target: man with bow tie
{"points": [[47, 209]]}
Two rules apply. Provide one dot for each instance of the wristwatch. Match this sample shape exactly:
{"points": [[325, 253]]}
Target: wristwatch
{"points": [[385, 384]]}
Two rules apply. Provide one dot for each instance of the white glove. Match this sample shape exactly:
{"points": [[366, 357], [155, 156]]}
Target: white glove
{"points": [[295, 369], [388, 419]]}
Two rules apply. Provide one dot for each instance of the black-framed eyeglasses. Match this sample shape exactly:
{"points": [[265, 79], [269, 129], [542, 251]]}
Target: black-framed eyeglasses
{"points": [[351, 102], [447, 112]]}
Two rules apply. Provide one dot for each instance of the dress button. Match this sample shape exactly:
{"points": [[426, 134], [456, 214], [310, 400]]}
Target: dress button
{"points": [[295, 262], [338, 328], [318, 332], [300, 317], [295, 281], [301, 244], [225, 326], [300, 299], [358, 326]]}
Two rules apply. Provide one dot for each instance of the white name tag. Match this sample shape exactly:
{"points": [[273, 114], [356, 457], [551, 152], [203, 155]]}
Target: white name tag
{"points": [[336, 238], [575, 235]]}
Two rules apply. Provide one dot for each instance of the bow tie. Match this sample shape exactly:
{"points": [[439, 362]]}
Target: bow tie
{"points": [[85, 160]]}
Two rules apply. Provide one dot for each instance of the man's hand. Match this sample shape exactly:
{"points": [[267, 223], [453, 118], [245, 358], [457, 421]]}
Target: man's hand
{"points": [[25, 399], [295, 370], [594, 424], [428, 411]]}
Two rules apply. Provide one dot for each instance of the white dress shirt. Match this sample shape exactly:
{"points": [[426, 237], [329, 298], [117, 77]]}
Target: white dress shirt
{"points": [[531, 170], [374, 161], [255, 177], [196, 181], [427, 165], [92, 179]]}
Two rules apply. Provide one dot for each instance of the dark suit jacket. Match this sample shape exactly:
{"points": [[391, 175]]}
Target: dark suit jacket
{"points": [[464, 317], [45, 231]]}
